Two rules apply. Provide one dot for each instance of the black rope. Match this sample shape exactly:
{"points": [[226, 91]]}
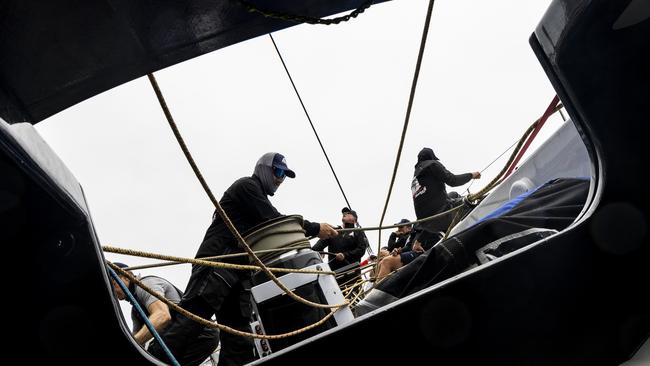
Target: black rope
{"points": [[423, 43], [310, 122]]}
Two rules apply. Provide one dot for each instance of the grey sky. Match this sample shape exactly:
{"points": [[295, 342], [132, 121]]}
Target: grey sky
{"points": [[480, 87]]}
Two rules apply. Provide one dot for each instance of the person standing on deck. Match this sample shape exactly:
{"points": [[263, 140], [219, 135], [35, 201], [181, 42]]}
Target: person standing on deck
{"points": [[348, 248], [226, 292], [430, 195]]}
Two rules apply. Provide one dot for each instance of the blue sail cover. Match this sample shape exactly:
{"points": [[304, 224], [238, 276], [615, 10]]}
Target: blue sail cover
{"points": [[54, 54]]}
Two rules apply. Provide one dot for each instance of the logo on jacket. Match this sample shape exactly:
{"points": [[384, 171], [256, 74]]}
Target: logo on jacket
{"points": [[416, 188]]}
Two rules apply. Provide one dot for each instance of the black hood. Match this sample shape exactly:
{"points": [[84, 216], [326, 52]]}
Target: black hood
{"points": [[426, 154]]}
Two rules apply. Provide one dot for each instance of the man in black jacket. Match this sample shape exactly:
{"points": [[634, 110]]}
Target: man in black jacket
{"points": [[225, 292], [428, 188], [399, 237], [430, 197], [348, 247]]}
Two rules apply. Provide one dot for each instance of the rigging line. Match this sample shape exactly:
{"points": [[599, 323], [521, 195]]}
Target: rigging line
{"points": [[376, 228], [552, 108], [310, 122], [558, 108], [493, 161], [423, 43], [512, 161]]}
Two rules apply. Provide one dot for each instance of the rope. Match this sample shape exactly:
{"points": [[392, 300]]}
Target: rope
{"points": [[350, 289], [516, 155], [356, 297], [356, 290], [492, 162], [376, 228], [215, 325], [476, 196], [378, 281], [496, 180], [557, 109], [549, 111], [361, 269], [313, 128], [143, 315], [452, 224], [219, 209], [309, 119], [214, 258], [201, 262], [306, 19], [423, 42]]}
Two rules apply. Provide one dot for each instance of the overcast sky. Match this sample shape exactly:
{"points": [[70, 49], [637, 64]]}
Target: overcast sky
{"points": [[480, 87]]}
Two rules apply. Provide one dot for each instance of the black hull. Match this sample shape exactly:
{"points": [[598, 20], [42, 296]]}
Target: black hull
{"points": [[578, 298]]}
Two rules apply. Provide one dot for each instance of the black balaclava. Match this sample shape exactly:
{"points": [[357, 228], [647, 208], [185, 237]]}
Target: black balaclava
{"points": [[426, 154], [264, 171]]}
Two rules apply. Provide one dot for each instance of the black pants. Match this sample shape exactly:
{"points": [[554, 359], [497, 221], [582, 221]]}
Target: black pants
{"points": [[195, 352], [215, 291], [441, 224]]}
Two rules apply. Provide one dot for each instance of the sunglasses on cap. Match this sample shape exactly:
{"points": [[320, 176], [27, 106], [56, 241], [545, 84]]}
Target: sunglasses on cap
{"points": [[279, 173]]}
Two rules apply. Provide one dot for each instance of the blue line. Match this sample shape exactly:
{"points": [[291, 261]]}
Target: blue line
{"points": [[147, 322]]}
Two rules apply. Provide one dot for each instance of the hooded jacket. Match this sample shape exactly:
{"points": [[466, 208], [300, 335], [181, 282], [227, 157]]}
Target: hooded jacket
{"points": [[352, 245], [428, 184], [247, 205]]}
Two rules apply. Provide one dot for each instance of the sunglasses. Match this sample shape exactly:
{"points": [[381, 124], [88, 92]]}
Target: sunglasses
{"points": [[279, 173]]}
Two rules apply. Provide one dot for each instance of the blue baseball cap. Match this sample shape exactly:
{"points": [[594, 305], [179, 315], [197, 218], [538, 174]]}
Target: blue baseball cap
{"points": [[403, 222], [279, 161]]}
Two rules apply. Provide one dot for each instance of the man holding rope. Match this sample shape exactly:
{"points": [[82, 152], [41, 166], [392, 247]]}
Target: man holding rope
{"points": [[347, 248], [226, 292], [430, 197]]}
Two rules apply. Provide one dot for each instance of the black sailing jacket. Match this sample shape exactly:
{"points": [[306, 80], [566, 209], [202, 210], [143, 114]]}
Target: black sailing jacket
{"points": [[246, 205], [428, 187], [352, 245]]}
